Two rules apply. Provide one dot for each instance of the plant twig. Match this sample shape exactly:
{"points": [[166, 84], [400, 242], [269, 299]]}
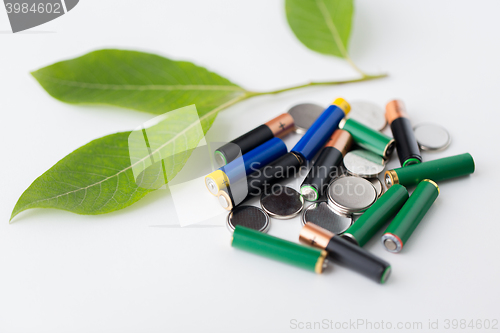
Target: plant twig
{"points": [[310, 84]]}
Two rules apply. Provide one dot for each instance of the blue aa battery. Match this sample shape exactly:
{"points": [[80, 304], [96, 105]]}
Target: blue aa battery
{"points": [[257, 157], [319, 132], [246, 164]]}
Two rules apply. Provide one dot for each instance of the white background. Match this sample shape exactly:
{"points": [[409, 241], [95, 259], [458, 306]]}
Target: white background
{"points": [[61, 272]]}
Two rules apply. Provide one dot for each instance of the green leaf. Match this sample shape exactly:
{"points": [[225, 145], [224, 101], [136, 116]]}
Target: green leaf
{"points": [[94, 179], [99, 177], [139, 81], [117, 170], [323, 26]]}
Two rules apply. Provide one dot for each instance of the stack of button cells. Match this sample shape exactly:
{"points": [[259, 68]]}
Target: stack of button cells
{"points": [[348, 204]]}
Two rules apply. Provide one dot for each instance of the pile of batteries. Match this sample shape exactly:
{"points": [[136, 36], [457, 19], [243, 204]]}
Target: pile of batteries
{"points": [[349, 202]]}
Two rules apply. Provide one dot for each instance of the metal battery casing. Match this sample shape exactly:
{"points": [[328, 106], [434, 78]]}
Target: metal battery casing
{"points": [[282, 250], [368, 138], [321, 214], [379, 186], [406, 221], [249, 217], [350, 195], [364, 163], [282, 202], [437, 170], [367, 225], [369, 114], [432, 137], [304, 115]]}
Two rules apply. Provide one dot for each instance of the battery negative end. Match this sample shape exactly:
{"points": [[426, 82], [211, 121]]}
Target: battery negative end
{"points": [[391, 178], [389, 148], [392, 243], [411, 161], [211, 185], [309, 193], [385, 275], [224, 200], [220, 159]]}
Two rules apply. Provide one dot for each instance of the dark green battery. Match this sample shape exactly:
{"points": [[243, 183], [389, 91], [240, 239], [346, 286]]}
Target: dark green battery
{"points": [[377, 215], [437, 170], [279, 249], [368, 138], [410, 215]]}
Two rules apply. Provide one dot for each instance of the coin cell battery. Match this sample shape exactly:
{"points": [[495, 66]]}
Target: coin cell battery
{"points": [[324, 216], [364, 163], [369, 114], [431, 137], [248, 216], [351, 195], [377, 183], [282, 202], [304, 116]]}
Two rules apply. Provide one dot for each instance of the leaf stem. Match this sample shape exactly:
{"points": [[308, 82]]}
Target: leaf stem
{"points": [[365, 77]]}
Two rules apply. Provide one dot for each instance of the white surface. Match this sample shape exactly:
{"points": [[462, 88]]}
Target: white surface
{"points": [[61, 272]]}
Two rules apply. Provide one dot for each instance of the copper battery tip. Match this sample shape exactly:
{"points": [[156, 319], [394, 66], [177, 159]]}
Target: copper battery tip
{"points": [[395, 109], [342, 103], [341, 140], [314, 235], [281, 125]]}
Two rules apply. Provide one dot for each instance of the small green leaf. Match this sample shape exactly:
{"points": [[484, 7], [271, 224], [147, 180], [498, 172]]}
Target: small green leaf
{"points": [[137, 80], [323, 26]]}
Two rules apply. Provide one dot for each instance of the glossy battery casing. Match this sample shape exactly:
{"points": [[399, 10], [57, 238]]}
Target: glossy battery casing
{"points": [[436, 170], [368, 138], [319, 132], [279, 249], [406, 144], [256, 158], [386, 207], [340, 251], [412, 212], [325, 167]]}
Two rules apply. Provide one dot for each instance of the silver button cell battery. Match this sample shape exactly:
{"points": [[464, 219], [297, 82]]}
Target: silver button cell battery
{"points": [[248, 216], [432, 137], [351, 195], [364, 163], [282, 202], [379, 187], [304, 115], [324, 216], [369, 114]]}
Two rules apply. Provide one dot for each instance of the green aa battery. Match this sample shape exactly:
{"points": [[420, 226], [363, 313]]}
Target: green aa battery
{"points": [[410, 215], [368, 138], [437, 170], [377, 215], [250, 240]]}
